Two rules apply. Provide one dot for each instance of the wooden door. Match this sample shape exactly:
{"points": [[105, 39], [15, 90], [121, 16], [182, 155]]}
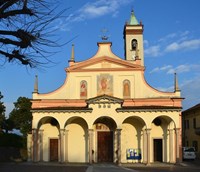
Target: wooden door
{"points": [[158, 150], [53, 149], [105, 146]]}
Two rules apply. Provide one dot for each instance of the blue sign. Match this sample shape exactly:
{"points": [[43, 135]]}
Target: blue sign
{"points": [[133, 154]]}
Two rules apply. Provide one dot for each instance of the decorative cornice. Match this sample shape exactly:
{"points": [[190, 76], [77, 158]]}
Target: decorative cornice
{"points": [[126, 66], [61, 110], [104, 99], [149, 109], [134, 31]]}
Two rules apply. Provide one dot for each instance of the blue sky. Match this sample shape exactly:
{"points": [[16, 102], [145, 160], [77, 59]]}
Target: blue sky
{"points": [[171, 42]]}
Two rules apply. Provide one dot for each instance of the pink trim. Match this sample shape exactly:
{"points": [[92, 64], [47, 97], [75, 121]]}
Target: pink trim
{"points": [[58, 103], [153, 102], [169, 102]]}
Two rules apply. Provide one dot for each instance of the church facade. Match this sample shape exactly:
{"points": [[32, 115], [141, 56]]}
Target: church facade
{"points": [[106, 112]]}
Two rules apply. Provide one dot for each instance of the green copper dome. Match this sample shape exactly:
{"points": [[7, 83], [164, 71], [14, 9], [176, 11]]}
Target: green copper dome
{"points": [[133, 20]]}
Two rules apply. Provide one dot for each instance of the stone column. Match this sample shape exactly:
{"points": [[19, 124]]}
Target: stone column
{"points": [[144, 147], [41, 144], [90, 135], [66, 145], [62, 134], [148, 145], [119, 146], [171, 146], [178, 159], [35, 145]]}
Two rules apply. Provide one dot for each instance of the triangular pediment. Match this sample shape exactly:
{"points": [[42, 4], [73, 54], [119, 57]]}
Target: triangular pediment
{"points": [[104, 63], [104, 99]]}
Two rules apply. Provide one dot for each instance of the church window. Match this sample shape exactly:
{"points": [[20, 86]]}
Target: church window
{"points": [[83, 89], [134, 44], [126, 89]]}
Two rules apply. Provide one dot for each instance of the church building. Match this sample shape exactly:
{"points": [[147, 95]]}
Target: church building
{"points": [[106, 111]]}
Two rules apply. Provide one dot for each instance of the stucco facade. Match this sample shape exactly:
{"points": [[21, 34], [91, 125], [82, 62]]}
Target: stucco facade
{"points": [[106, 112]]}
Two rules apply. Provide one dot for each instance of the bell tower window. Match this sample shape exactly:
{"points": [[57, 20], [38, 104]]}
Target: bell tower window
{"points": [[134, 44]]}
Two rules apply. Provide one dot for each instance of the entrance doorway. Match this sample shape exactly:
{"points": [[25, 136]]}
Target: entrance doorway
{"points": [[105, 146], [157, 145], [53, 149]]}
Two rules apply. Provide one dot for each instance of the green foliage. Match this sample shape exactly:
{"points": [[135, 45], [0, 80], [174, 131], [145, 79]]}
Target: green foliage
{"points": [[21, 115], [2, 113], [11, 140]]}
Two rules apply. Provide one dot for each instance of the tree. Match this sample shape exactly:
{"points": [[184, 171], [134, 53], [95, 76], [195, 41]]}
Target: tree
{"points": [[25, 31], [2, 113], [21, 115]]}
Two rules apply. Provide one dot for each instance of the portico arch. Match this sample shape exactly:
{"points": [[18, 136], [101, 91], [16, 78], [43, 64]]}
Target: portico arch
{"points": [[163, 142], [132, 136], [76, 140], [48, 139], [105, 139]]}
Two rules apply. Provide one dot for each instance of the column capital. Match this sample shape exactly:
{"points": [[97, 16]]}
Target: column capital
{"points": [[118, 129], [34, 129], [170, 130], [177, 130], [62, 129], [148, 130]]}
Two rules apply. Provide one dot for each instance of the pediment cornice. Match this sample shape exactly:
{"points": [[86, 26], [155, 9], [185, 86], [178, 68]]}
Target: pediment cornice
{"points": [[104, 99], [85, 65]]}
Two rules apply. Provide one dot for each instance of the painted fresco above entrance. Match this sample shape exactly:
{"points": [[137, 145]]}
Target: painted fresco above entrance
{"points": [[105, 84]]}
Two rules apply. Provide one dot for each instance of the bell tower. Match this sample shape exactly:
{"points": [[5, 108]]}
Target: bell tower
{"points": [[133, 40]]}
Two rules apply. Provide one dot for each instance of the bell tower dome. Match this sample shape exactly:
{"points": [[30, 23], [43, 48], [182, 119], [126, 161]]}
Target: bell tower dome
{"points": [[133, 40]]}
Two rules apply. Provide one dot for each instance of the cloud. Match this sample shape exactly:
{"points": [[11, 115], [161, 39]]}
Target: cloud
{"points": [[92, 10], [164, 68], [153, 51], [172, 42], [146, 43], [181, 35], [167, 37], [185, 45], [9, 107], [102, 7], [179, 69]]}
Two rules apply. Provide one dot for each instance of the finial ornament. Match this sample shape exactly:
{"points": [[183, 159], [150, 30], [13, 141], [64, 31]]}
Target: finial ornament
{"points": [[36, 84], [176, 88], [104, 35], [133, 19], [72, 54]]}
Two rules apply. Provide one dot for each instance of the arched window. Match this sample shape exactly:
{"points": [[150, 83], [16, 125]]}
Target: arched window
{"points": [[126, 89], [134, 44], [83, 89]]}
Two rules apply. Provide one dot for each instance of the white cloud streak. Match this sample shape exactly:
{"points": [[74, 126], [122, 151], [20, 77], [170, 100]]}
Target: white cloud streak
{"points": [[93, 10], [173, 42], [179, 69], [185, 45], [153, 51]]}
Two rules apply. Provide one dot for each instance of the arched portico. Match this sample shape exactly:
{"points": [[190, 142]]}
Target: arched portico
{"points": [[76, 140], [162, 143], [104, 139], [46, 137], [132, 136]]}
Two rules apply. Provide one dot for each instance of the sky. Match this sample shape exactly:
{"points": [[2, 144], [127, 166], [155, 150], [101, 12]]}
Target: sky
{"points": [[171, 44]]}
